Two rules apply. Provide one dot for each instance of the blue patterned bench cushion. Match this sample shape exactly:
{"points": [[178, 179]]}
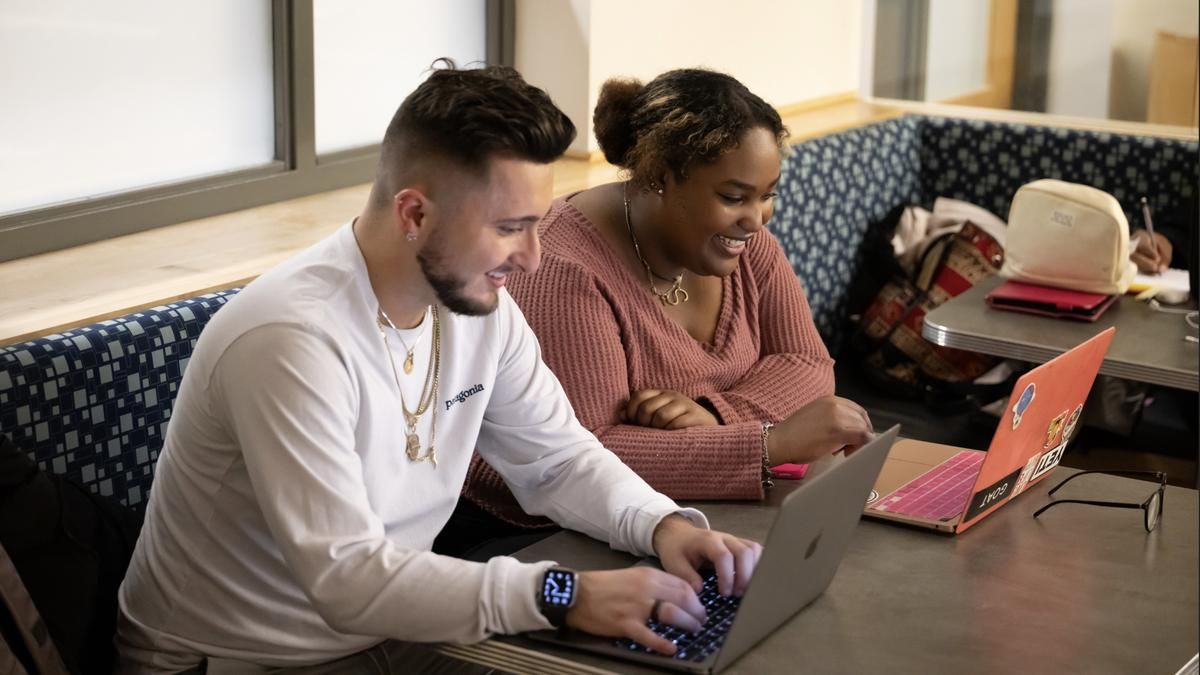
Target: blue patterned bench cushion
{"points": [[985, 162], [835, 187], [93, 403], [831, 190]]}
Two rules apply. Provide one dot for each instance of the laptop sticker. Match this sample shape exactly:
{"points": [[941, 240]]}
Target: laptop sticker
{"points": [[992, 495], [1023, 404], [1048, 461], [1026, 472], [1052, 431], [1072, 421]]}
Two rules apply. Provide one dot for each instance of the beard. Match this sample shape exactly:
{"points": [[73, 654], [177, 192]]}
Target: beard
{"points": [[449, 288]]}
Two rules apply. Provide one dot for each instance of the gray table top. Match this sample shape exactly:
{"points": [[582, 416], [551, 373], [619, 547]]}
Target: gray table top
{"points": [[1149, 346], [1083, 589]]}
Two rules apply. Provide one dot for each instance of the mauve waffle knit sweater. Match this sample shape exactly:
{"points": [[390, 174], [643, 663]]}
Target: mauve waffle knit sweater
{"points": [[604, 335]]}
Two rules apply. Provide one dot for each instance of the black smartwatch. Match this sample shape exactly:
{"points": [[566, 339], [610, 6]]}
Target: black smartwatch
{"points": [[557, 595]]}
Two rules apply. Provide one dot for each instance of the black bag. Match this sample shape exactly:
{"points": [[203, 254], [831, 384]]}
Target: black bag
{"points": [[28, 649], [71, 549]]}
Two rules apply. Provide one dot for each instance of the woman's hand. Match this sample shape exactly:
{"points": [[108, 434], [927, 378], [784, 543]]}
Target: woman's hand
{"points": [[665, 409], [1152, 255], [820, 428]]}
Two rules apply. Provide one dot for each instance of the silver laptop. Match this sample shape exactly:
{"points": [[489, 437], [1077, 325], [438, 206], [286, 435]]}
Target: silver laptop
{"points": [[806, 543]]}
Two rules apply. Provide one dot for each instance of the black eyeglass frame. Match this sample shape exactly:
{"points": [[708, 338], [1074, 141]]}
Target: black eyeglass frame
{"points": [[1144, 506]]}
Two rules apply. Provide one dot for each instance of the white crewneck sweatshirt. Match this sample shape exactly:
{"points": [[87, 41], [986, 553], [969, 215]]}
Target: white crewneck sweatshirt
{"points": [[287, 527]]}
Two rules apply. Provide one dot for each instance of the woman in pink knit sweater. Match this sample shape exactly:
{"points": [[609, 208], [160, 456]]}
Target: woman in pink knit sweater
{"points": [[669, 311]]}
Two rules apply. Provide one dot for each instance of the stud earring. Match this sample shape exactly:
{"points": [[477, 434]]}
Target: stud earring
{"points": [[411, 236], [659, 191]]}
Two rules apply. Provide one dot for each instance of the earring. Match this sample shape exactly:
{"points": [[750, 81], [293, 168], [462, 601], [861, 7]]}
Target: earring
{"points": [[411, 236], [659, 191]]}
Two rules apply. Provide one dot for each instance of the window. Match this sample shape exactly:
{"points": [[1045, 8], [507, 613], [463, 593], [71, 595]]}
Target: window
{"points": [[139, 114], [100, 99], [370, 53], [1126, 60]]}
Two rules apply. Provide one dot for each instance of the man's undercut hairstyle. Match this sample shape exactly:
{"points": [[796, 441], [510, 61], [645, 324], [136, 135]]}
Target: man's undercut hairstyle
{"points": [[680, 119], [468, 116]]}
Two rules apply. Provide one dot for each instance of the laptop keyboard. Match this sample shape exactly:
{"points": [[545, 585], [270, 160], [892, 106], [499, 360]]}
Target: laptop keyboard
{"points": [[700, 645], [938, 494]]}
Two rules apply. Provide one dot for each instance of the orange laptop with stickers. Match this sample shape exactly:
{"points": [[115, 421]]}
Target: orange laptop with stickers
{"points": [[949, 489]]}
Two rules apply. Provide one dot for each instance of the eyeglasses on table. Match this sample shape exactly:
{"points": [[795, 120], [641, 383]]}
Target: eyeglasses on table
{"points": [[1152, 507]]}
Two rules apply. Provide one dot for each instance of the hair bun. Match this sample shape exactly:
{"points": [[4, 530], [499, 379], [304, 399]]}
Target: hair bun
{"points": [[613, 119]]}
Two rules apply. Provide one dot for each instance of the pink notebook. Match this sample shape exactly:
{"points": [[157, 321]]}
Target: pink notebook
{"points": [[1017, 296]]}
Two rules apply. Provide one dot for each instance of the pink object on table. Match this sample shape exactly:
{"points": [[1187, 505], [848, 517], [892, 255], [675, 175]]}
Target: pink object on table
{"points": [[790, 471]]}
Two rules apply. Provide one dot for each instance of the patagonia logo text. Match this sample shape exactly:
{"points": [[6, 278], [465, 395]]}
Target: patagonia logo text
{"points": [[463, 395]]}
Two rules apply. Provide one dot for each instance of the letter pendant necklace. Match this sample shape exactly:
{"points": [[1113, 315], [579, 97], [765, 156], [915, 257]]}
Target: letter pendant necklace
{"points": [[412, 440]]}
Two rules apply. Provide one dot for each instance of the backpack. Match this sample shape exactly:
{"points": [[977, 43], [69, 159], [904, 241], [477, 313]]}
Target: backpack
{"points": [[69, 550], [28, 649], [895, 357]]}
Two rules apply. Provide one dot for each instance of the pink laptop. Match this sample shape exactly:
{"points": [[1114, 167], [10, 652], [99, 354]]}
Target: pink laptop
{"points": [[949, 489]]}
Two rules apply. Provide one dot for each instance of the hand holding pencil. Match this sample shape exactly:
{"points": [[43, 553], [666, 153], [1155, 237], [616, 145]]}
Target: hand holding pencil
{"points": [[1151, 251]]}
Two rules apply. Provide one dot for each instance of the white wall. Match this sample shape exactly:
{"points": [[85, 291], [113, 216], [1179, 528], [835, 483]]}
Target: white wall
{"points": [[787, 52], [1080, 58], [552, 51], [956, 48], [1134, 25]]}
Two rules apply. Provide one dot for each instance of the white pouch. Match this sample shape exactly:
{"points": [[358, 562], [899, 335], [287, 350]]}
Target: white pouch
{"points": [[1070, 236]]}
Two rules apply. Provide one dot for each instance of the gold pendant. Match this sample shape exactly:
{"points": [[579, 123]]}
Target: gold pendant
{"points": [[674, 295], [413, 446], [408, 363]]}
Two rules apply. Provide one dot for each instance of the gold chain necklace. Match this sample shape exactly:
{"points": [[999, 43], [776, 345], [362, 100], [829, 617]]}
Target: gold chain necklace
{"points": [[408, 351], [412, 441], [673, 295]]}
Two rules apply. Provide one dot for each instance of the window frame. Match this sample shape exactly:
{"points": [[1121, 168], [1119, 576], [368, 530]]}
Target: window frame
{"points": [[295, 171]]}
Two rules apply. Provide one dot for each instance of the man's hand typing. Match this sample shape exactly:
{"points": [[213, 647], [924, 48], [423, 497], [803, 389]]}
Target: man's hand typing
{"points": [[683, 548]]}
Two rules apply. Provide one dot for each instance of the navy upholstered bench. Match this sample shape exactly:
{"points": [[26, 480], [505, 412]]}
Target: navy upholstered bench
{"points": [[93, 402]]}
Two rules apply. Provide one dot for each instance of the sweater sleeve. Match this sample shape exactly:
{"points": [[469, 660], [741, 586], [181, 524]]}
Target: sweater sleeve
{"points": [[292, 405], [554, 466], [581, 339], [793, 368]]}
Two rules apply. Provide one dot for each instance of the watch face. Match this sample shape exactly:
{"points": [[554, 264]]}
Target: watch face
{"points": [[558, 588]]}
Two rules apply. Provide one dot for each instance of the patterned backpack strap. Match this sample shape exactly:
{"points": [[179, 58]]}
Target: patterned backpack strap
{"points": [[33, 630]]}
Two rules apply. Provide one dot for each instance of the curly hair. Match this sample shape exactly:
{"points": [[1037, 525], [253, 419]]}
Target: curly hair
{"points": [[680, 119], [468, 116]]}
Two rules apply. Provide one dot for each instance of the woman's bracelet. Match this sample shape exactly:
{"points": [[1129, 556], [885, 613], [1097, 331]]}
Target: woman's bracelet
{"points": [[767, 481]]}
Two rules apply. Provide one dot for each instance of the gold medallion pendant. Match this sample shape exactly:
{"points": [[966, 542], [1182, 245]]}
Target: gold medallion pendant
{"points": [[408, 364], [412, 449]]}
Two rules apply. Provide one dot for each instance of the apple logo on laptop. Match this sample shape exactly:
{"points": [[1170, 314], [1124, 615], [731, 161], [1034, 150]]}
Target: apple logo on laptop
{"points": [[812, 546]]}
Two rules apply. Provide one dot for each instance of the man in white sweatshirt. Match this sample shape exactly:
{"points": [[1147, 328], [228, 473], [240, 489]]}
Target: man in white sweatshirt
{"points": [[326, 421]]}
